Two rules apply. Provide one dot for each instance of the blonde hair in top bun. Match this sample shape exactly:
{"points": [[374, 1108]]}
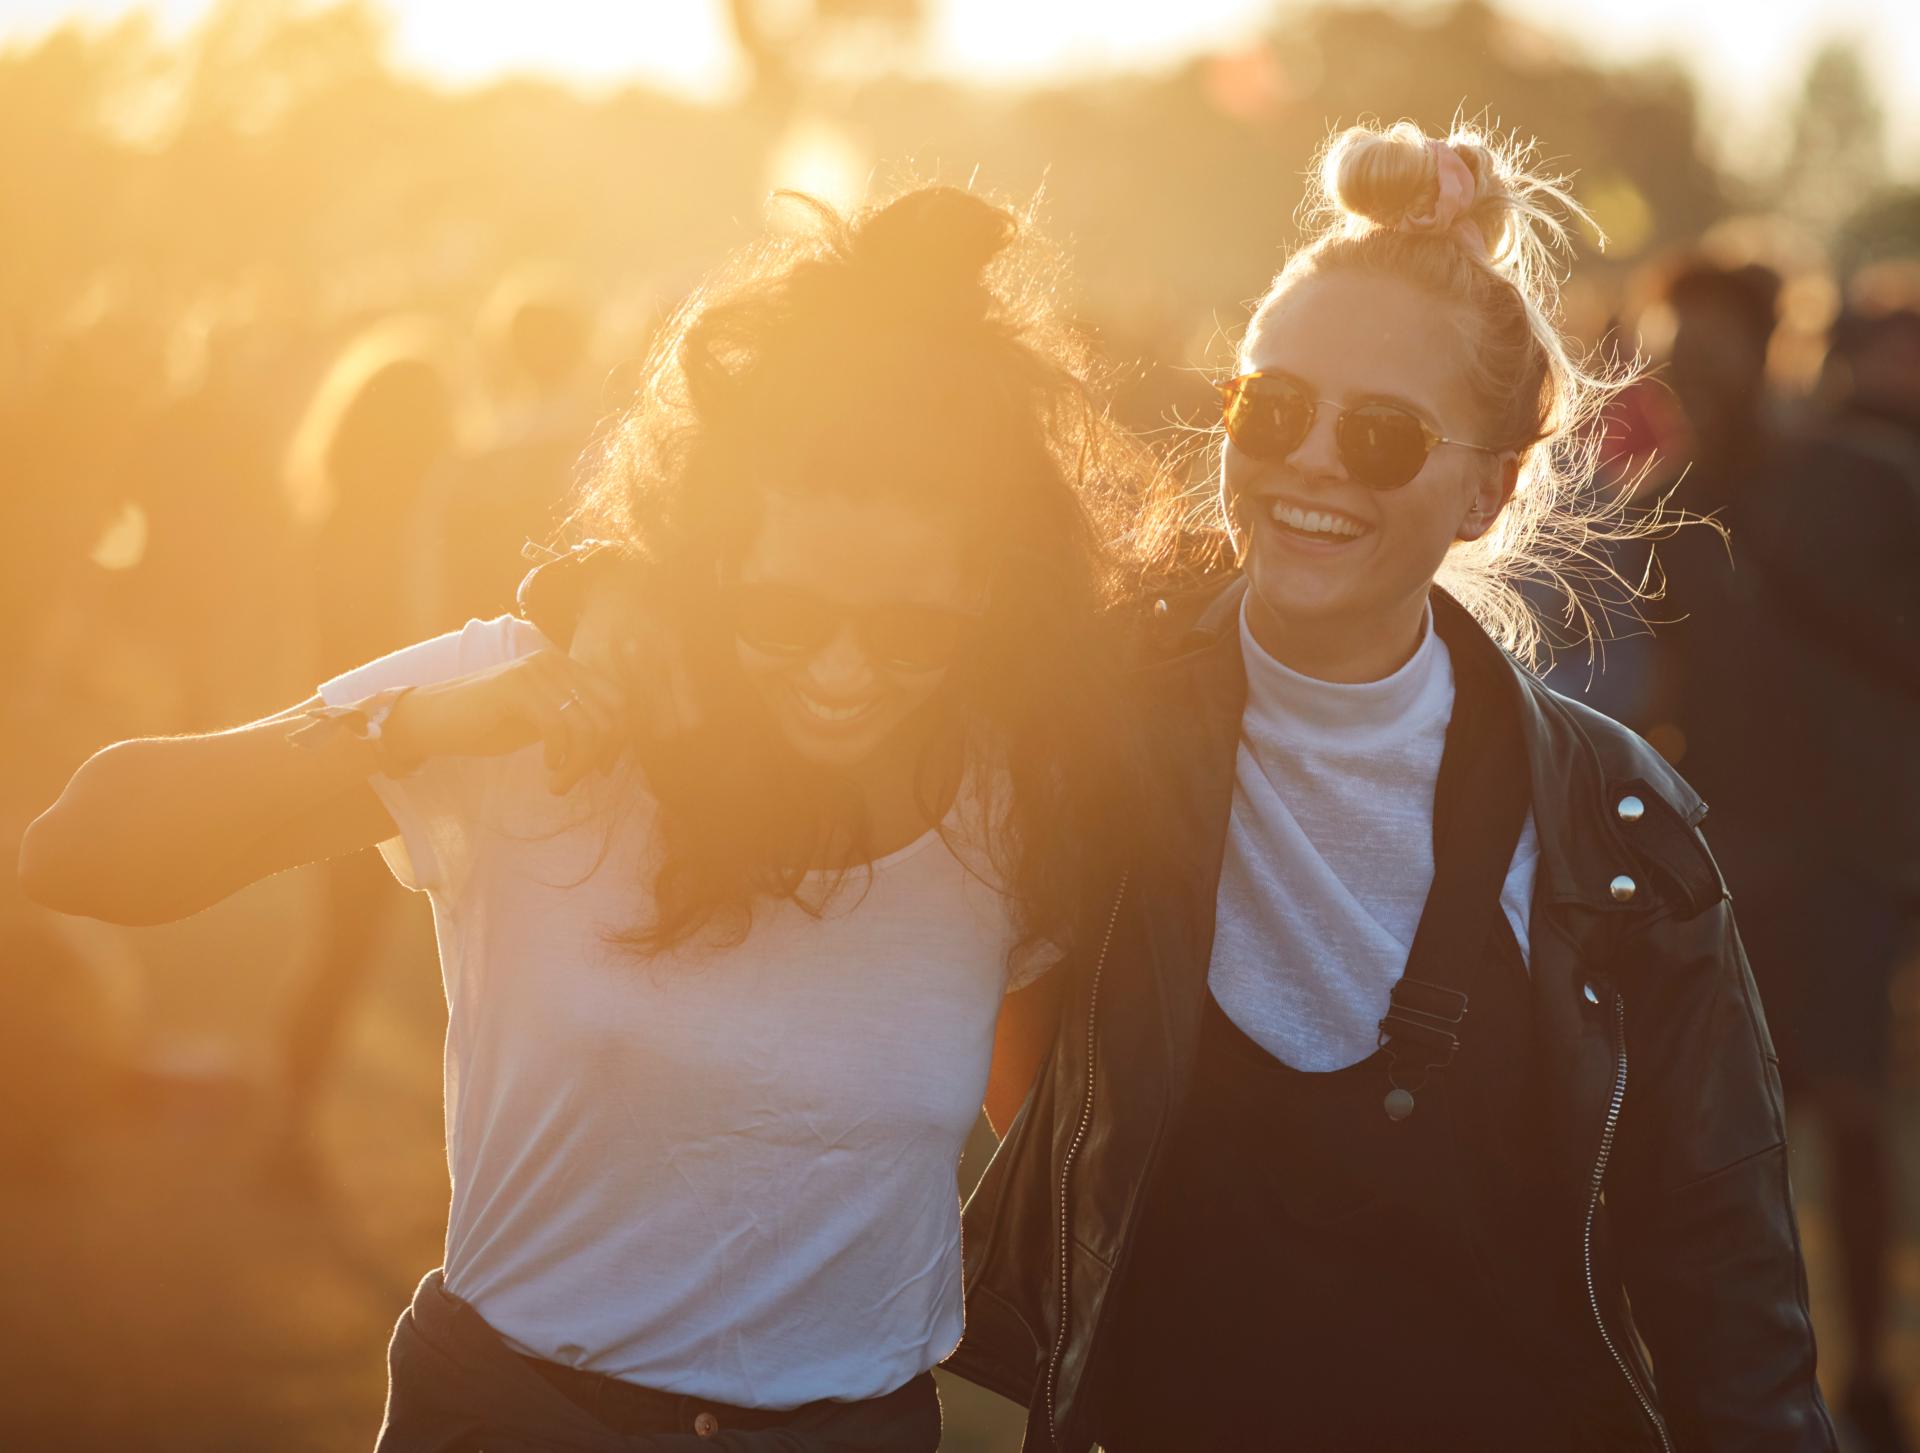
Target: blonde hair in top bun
{"points": [[1491, 238]]}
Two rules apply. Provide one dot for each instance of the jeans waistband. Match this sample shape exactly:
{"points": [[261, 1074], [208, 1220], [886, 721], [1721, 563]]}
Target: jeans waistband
{"points": [[628, 1407]]}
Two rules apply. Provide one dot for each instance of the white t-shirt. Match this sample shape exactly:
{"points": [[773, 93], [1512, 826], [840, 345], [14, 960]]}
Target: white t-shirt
{"points": [[727, 1173], [1330, 852]]}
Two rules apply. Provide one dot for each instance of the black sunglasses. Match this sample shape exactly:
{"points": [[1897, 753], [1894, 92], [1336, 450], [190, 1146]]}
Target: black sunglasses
{"points": [[1383, 446], [782, 620]]}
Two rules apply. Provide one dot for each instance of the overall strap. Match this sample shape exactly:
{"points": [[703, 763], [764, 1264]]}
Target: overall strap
{"points": [[1479, 806]]}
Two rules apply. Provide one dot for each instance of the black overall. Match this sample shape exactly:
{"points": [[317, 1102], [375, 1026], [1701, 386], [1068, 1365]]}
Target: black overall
{"points": [[1312, 1273]]}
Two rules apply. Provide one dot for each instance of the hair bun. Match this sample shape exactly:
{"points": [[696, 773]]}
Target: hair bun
{"points": [[930, 248], [1384, 178]]}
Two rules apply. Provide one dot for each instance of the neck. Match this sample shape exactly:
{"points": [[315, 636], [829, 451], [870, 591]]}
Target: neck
{"points": [[890, 786], [1344, 651]]}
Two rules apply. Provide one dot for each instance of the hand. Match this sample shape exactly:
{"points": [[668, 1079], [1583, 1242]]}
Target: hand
{"points": [[624, 637], [578, 712]]}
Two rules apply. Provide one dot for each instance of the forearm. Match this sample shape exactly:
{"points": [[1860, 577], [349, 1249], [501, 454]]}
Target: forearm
{"points": [[1699, 1197], [1719, 1294], [156, 829]]}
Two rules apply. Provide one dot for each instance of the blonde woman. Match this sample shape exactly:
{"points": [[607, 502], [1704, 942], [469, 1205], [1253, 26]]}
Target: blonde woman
{"points": [[1426, 1044]]}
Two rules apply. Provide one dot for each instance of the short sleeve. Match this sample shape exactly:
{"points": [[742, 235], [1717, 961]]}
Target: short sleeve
{"points": [[438, 809], [1031, 963]]}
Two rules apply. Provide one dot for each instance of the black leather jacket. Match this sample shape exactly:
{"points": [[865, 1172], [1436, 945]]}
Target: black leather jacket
{"points": [[1663, 1089]]}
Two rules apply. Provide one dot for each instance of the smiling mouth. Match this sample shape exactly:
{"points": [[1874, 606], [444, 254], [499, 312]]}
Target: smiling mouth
{"points": [[833, 714], [1318, 524]]}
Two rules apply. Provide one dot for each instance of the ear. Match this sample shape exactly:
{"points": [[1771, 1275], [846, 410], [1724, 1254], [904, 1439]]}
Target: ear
{"points": [[1490, 496]]}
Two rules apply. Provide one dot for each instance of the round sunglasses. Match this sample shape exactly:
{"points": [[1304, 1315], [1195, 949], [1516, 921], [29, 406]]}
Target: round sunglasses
{"points": [[1383, 446], [780, 620]]}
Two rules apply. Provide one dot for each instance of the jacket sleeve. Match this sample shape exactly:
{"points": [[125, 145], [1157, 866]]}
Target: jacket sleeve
{"points": [[1006, 1237], [1699, 1203]]}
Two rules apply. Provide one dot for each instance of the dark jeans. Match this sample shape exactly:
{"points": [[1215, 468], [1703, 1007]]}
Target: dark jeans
{"points": [[455, 1386]]}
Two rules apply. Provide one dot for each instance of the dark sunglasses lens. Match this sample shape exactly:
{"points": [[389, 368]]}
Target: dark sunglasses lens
{"points": [[1382, 447], [781, 622], [916, 638], [1267, 418]]}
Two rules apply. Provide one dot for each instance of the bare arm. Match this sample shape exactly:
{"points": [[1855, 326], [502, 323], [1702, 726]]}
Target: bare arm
{"points": [[1028, 1021], [153, 830], [156, 829]]}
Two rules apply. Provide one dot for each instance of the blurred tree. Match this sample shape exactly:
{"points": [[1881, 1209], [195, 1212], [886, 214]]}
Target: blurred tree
{"points": [[295, 150], [1836, 158], [1885, 228], [251, 62], [790, 47]]}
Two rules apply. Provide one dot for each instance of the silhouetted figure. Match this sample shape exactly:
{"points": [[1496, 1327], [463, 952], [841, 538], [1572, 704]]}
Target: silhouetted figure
{"points": [[1797, 697], [380, 422], [535, 335]]}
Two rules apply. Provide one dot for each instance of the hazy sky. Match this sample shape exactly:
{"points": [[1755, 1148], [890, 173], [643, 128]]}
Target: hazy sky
{"points": [[1747, 54]]}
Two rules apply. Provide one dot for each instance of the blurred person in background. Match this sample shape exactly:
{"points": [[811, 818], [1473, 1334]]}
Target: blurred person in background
{"points": [[378, 425], [1794, 673], [1339, 1145], [210, 484], [536, 337], [70, 434], [1712, 655], [723, 1015], [1830, 554]]}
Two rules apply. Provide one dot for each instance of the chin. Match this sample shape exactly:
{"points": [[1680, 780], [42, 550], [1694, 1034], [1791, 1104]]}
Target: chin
{"points": [[1290, 596], [840, 755]]}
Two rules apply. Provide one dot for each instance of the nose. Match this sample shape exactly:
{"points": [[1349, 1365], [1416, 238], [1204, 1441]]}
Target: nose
{"points": [[841, 667], [1318, 456]]}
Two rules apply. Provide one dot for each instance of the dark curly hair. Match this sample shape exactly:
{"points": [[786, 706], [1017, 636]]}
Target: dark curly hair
{"points": [[914, 351]]}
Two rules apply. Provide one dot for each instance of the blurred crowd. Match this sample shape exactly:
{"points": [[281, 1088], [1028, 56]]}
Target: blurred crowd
{"points": [[218, 495]]}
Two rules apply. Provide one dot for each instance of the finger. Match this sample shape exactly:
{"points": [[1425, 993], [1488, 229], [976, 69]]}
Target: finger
{"points": [[540, 708], [606, 704], [544, 694], [566, 718], [604, 694], [593, 726]]}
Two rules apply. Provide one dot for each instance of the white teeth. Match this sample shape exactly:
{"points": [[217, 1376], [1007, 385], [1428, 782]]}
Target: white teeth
{"points": [[820, 709], [1316, 522]]}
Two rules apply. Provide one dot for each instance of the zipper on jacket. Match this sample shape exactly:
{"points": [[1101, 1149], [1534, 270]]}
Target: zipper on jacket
{"points": [[1593, 1207], [1073, 1149]]}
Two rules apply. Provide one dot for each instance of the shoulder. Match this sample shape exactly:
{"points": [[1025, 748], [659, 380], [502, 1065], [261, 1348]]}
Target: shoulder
{"points": [[1620, 751], [1170, 631], [476, 646], [1619, 827]]}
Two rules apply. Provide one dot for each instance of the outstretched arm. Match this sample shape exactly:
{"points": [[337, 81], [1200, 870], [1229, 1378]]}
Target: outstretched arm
{"points": [[156, 829]]}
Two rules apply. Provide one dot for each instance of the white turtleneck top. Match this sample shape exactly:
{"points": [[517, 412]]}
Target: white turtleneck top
{"points": [[1330, 852]]}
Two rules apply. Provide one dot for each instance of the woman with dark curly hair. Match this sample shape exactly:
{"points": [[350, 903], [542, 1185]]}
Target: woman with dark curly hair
{"points": [[724, 969]]}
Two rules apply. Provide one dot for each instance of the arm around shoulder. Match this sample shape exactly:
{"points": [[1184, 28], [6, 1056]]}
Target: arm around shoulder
{"points": [[156, 829]]}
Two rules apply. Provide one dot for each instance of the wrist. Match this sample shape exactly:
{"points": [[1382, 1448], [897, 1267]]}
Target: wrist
{"points": [[552, 595], [366, 728], [395, 733]]}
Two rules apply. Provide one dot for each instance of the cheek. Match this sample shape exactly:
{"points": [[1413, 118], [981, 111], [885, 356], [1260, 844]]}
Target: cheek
{"points": [[1427, 520], [761, 670], [1237, 473], [913, 692]]}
